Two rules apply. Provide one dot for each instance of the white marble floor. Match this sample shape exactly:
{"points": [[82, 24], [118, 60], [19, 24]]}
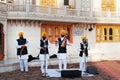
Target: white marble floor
{"points": [[8, 62], [8, 65]]}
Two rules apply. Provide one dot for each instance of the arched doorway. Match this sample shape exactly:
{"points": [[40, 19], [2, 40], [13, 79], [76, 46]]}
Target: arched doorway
{"points": [[1, 42]]}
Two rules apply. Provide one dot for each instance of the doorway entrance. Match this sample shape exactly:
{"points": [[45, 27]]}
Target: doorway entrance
{"points": [[1, 42]]}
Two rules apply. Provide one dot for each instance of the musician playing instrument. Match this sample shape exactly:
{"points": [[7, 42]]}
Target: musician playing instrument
{"points": [[44, 54], [83, 48], [22, 52], [62, 50]]}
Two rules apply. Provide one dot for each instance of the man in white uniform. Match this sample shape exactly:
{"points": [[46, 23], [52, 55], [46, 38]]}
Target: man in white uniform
{"points": [[22, 52], [62, 50], [44, 54], [83, 54]]}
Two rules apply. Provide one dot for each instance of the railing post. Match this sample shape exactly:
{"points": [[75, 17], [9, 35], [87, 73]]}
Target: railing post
{"points": [[91, 10], [49, 10], [65, 10], [78, 13], [27, 5]]}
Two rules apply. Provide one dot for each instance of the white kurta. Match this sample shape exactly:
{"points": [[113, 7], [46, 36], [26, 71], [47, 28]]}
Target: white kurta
{"points": [[22, 56], [62, 55], [23, 59], [44, 59], [42, 56], [83, 59]]}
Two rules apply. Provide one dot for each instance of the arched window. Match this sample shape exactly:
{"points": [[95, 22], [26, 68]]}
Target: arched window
{"points": [[98, 32], [105, 31], [105, 34], [66, 2], [110, 34]]}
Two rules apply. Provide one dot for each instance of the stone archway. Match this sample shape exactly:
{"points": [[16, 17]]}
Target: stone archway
{"points": [[1, 42]]}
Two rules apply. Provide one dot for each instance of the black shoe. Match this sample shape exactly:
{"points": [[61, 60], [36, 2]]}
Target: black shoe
{"points": [[84, 73]]}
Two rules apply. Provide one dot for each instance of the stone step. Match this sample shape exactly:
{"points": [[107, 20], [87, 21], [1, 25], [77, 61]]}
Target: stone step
{"points": [[13, 64], [9, 65], [8, 68]]}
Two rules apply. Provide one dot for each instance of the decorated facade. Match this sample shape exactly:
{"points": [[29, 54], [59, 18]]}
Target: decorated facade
{"points": [[96, 19]]}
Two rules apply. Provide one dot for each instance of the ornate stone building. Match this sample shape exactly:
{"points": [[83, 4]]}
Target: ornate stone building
{"points": [[97, 19]]}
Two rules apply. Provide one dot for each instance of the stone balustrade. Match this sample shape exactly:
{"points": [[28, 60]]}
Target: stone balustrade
{"points": [[3, 11], [3, 7], [59, 14]]}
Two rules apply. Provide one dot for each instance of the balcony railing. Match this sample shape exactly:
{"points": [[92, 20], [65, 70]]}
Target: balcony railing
{"points": [[3, 7], [40, 11], [106, 14], [16, 8], [3, 10], [53, 11]]}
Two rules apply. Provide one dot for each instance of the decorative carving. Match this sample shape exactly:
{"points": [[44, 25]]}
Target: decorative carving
{"points": [[108, 5], [85, 5], [21, 22], [26, 23], [78, 30], [10, 1], [16, 22], [35, 23], [3, 7], [11, 22]]}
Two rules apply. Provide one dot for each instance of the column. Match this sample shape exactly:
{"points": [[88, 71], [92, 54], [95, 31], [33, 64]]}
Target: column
{"points": [[38, 2], [5, 39], [27, 5], [49, 10], [91, 9]]}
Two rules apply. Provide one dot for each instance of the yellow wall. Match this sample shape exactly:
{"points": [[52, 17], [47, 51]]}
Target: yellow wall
{"points": [[108, 5], [48, 3]]}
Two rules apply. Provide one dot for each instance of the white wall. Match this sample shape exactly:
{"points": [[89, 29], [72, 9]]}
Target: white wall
{"points": [[109, 51], [97, 52], [118, 6], [96, 5], [37, 2], [78, 4], [60, 3], [31, 33]]}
